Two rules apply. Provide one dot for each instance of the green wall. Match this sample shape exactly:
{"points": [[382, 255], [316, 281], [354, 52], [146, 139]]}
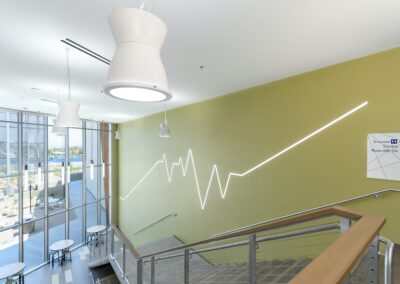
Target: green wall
{"points": [[240, 130]]}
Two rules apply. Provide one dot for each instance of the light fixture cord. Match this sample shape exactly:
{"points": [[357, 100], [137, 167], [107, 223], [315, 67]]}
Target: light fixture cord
{"points": [[68, 74]]}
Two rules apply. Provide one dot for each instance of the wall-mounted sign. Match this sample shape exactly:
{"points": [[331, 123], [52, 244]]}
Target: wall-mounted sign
{"points": [[384, 156]]}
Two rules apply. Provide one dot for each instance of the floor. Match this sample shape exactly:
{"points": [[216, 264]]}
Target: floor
{"points": [[75, 271]]}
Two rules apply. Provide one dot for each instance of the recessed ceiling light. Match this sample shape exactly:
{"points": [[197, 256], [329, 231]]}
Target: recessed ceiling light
{"points": [[35, 89]]}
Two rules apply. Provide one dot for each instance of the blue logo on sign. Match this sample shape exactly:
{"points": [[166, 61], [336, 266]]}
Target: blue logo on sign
{"points": [[393, 141]]}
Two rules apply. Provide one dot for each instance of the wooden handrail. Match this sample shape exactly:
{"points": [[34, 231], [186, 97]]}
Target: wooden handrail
{"points": [[325, 212], [335, 263], [125, 240]]}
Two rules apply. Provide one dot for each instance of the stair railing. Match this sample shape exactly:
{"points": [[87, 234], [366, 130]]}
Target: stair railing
{"points": [[359, 236]]}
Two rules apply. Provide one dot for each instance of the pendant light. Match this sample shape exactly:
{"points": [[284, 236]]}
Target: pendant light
{"points": [[68, 110], [91, 169], [26, 177], [59, 131], [39, 175], [164, 128], [136, 72], [62, 173], [69, 172]]}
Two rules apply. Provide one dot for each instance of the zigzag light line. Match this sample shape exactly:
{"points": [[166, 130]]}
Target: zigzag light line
{"points": [[214, 172]]}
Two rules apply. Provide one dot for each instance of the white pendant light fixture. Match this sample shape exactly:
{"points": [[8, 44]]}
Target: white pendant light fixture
{"points": [[26, 177], [118, 135], [103, 169], [62, 173], [39, 175], [68, 110], [91, 170], [69, 172], [60, 131], [136, 72], [164, 128]]}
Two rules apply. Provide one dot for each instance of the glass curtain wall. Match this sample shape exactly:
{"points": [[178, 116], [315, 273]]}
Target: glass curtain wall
{"points": [[51, 187]]}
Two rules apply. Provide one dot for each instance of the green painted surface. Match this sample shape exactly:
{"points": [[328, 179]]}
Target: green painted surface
{"points": [[240, 130]]}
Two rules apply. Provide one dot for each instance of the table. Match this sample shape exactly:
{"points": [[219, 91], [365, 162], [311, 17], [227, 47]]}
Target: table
{"points": [[94, 232], [11, 270], [62, 246]]}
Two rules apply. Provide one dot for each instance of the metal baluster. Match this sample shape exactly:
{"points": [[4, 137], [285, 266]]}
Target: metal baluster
{"points": [[252, 258], [345, 224], [186, 267], [123, 260], [373, 262], [152, 270], [139, 271]]}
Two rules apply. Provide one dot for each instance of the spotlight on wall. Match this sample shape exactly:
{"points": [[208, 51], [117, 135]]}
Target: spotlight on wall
{"points": [[164, 128]]}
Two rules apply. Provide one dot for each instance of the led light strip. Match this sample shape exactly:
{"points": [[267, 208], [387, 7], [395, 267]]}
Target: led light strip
{"points": [[214, 172]]}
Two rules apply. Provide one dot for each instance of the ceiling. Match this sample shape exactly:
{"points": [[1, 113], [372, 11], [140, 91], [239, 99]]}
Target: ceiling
{"points": [[240, 43]]}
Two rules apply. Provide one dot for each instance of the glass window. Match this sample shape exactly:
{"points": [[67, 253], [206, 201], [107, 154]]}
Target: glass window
{"points": [[9, 169], [91, 215], [33, 160], [75, 161], [33, 243], [92, 161], [9, 249], [56, 228], [76, 225], [22, 173], [56, 171]]}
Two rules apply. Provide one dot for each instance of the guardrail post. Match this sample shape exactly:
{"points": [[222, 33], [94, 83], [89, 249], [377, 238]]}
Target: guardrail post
{"points": [[373, 262], [345, 224], [186, 267], [112, 242], [139, 271], [252, 258], [123, 260], [152, 270]]}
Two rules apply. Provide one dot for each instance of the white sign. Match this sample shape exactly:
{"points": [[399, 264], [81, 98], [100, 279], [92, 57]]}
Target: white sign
{"points": [[384, 156]]}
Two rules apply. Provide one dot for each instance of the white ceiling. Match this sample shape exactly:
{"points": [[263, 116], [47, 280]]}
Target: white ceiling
{"points": [[240, 43]]}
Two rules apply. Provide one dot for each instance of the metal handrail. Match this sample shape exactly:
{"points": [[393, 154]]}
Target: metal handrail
{"points": [[376, 194], [173, 214], [251, 231], [388, 268], [293, 233]]}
